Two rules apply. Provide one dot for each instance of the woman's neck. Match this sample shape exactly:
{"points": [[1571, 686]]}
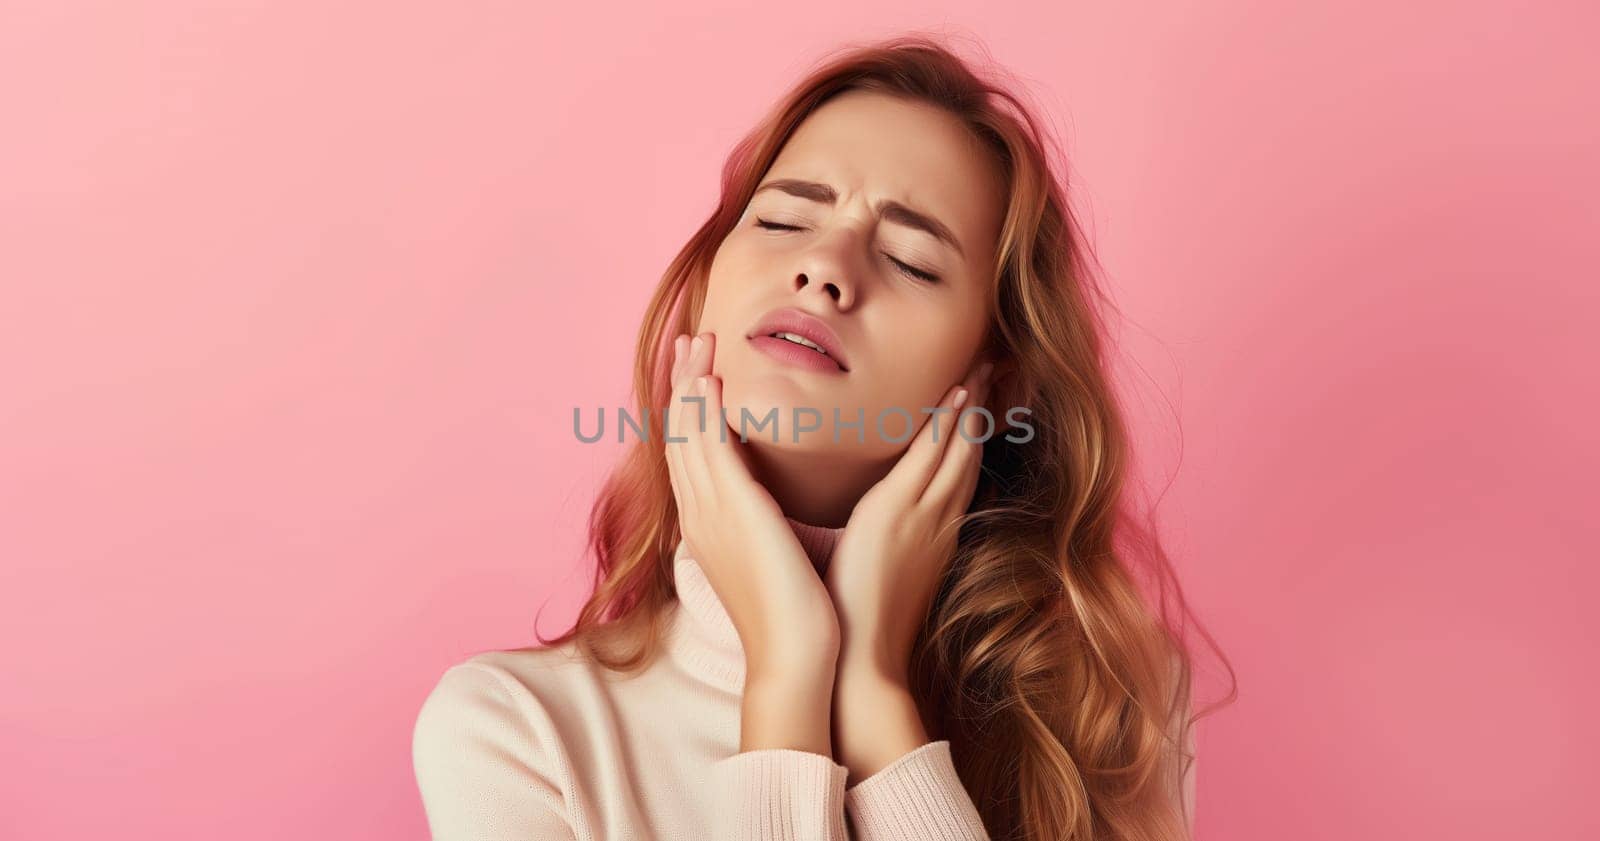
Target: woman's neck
{"points": [[816, 488]]}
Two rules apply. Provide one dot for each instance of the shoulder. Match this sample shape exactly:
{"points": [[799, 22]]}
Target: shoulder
{"points": [[511, 700], [498, 731], [489, 756], [505, 684]]}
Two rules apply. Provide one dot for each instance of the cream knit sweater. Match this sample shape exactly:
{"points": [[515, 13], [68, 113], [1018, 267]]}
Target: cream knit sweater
{"points": [[545, 744]]}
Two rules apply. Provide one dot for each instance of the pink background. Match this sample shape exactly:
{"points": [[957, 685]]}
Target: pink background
{"points": [[298, 299]]}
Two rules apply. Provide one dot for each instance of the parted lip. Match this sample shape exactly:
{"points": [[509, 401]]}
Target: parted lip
{"points": [[802, 323]]}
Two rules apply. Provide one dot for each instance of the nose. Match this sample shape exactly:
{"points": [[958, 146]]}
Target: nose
{"points": [[831, 268], [840, 293]]}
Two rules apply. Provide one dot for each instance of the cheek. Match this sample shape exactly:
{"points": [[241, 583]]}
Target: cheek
{"points": [[730, 270], [919, 358], [734, 287], [727, 312], [721, 295]]}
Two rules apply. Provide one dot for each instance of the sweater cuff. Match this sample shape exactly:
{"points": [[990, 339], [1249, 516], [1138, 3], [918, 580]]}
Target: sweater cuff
{"points": [[778, 794], [918, 796]]}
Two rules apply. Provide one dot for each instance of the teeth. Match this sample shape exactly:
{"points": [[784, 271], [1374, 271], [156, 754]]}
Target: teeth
{"points": [[800, 340]]}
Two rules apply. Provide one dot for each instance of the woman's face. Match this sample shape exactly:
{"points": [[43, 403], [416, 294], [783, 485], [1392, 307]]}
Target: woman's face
{"points": [[894, 212]]}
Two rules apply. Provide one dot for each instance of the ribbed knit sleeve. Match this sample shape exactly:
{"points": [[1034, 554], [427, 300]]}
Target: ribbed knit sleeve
{"points": [[479, 767], [918, 796], [777, 794]]}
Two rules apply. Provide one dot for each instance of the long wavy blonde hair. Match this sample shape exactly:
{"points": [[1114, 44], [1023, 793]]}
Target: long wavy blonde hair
{"points": [[1053, 657]]}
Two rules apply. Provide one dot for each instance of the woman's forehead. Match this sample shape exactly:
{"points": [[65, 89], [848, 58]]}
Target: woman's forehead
{"points": [[878, 147], [868, 138]]}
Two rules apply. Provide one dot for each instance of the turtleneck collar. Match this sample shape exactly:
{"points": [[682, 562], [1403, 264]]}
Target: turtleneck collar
{"points": [[701, 635]]}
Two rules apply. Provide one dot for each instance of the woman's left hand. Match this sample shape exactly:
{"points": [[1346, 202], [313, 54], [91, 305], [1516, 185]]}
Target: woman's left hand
{"points": [[902, 534]]}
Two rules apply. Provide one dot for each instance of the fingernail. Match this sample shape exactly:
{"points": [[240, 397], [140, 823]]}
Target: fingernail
{"points": [[694, 346], [961, 397]]}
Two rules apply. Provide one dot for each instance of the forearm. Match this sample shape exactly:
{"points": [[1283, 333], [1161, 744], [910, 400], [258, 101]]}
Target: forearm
{"points": [[783, 783], [900, 786], [787, 704], [875, 717]]}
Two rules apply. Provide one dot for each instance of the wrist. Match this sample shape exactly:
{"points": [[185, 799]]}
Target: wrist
{"points": [[876, 720], [787, 708], [792, 637], [792, 658], [874, 663]]}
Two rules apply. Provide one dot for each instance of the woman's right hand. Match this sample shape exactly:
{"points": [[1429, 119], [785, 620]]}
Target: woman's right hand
{"points": [[739, 536]]}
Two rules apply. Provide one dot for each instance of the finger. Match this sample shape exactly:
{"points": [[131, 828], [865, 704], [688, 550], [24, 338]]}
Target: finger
{"points": [[673, 430], [953, 482], [971, 420], [911, 473], [679, 343], [951, 438], [684, 380], [680, 490], [715, 447], [684, 415], [721, 458], [696, 421], [726, 470]]}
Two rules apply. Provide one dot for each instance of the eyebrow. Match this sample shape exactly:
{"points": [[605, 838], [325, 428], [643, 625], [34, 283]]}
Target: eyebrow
{"points": [[891, 211]]}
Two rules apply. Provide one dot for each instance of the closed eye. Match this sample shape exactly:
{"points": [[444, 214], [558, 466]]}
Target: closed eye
{"points": [[914, 271], [905, 268]]}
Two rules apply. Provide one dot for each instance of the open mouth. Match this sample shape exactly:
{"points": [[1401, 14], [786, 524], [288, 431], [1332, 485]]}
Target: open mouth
{"points": [[793, 335], [803, 342], [798, 351]]}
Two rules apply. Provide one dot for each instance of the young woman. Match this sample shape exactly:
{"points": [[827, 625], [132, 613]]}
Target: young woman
{"points": [[820, 613]]}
